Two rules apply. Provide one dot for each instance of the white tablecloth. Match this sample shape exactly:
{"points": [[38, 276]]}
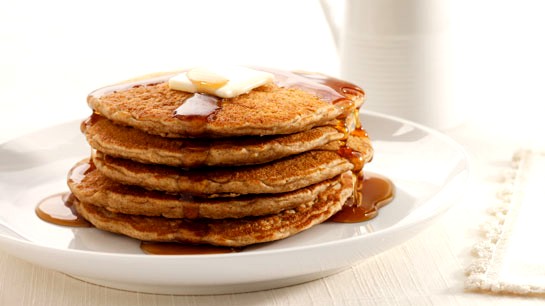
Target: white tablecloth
{"points": [[50, 62]]}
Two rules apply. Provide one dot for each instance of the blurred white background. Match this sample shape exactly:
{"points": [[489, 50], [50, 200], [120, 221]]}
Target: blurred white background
{"points": [[52, 53]]}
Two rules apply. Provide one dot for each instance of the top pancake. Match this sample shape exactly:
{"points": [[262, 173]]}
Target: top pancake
{"points": [[294, 103]]}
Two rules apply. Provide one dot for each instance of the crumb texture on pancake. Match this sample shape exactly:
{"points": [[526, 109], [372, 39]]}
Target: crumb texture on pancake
{"points": [[126, 142], [283, 175], [267, 110], [94, 188], [222, 232], [172, 166]]}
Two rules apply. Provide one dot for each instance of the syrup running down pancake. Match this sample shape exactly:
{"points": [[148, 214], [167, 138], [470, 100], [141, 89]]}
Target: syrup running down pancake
{"points": [[126, 142], [91, 186], [184, 160], [223, 232], [297, 102], [283, 175]]}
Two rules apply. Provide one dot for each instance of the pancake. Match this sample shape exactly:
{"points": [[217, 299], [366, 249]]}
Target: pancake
{"points": [[222, 232], [122, 141], [260, 164], [295, 103], [90, 186], [283, 175]]}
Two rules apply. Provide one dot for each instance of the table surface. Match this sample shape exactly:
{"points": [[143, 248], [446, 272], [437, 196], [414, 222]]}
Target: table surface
{"points": [[50, 61]]}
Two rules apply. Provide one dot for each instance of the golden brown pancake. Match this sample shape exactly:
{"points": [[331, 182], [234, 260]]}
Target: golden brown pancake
{"points": [[126, 142], [175, 166], [90, 186], [222, 232], [282, 175], [297, 102]]}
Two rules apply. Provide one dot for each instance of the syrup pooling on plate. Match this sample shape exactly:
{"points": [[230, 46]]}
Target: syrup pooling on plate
{"points": [[58, 209], [196, 107], [171, 248], [370, 191], [374, 191]]}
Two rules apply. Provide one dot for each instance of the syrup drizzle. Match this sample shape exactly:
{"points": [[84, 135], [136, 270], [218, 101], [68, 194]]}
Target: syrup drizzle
{"points": [[77, 174], [372, 191], [202, 107], [58, 209], [128, 85], [175, 248], [198, 107], [327, 88]]}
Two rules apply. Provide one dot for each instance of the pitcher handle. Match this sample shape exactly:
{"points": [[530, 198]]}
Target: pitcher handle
{"points": [[332, 18]]}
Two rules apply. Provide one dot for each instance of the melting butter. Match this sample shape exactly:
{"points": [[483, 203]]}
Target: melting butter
{"points": [[223, 82]]}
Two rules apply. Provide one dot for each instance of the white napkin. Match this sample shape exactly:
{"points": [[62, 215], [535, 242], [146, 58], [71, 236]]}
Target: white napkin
{"points": [[511, 257]]}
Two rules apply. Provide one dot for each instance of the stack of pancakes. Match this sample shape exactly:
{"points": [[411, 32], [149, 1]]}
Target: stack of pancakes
{"points": [[258, 167]]}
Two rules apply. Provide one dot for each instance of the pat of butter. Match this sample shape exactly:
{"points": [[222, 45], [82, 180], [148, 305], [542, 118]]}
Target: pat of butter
{"points": [[223, 82]]}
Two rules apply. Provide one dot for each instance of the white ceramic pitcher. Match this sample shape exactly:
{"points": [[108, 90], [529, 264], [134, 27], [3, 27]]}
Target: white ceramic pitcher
{"points": [[398, 51]]}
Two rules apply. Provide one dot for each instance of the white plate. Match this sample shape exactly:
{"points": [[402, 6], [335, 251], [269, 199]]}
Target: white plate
{"points": [[428, 169]]}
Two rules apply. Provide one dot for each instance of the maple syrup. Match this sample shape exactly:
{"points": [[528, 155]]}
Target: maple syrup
{"points": [[198, 107], [58, 209], [174, 248], [202, 107], [372, 191], [327, 88]]}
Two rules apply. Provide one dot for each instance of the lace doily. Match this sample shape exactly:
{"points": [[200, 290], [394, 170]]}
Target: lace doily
{"points": [[511, 257]]}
